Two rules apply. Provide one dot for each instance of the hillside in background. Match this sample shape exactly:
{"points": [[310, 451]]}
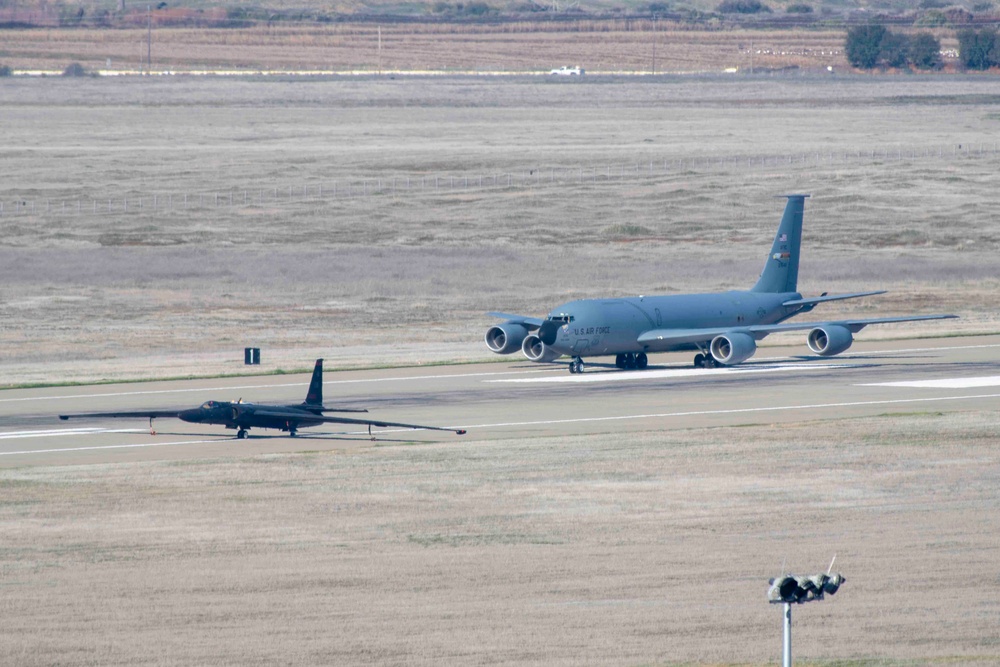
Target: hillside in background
{"points": [[763, 13]]}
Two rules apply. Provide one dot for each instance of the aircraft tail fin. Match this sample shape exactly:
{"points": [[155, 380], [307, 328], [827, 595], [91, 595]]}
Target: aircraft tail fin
{"points": [[781, 271], [315, 395]]}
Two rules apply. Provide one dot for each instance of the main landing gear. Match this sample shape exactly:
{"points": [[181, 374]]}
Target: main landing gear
{"points": [[241, 434], [632, 361], [705, 361], [626, 362]]}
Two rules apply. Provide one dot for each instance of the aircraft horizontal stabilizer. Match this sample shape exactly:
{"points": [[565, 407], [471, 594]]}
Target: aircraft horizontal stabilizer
{"points": [[832, 297]]}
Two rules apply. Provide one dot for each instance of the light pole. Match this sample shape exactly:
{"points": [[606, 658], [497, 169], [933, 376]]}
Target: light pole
{"points": [[789, 589]]}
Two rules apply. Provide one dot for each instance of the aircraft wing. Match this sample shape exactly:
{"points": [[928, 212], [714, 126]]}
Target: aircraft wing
{"points": [[812, 301], [299, 416], [670, 337], [529, 323], [145, 414]]}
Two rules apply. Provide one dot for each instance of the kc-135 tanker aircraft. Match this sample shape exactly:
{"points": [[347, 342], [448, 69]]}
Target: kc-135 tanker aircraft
{"points": [[243, 416], [723, 327]]}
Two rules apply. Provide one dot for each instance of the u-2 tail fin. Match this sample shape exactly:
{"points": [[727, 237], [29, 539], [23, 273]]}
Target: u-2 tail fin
{"points": [[781, 270], [315, 395]]}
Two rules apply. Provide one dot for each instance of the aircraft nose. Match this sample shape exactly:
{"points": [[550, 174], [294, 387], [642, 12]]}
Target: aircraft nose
{"points": [[193, 416], [548, 331]]}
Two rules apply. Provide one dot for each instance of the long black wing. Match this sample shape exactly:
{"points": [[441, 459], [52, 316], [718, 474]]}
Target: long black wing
{"points": [[298, 416], [147, 414]]}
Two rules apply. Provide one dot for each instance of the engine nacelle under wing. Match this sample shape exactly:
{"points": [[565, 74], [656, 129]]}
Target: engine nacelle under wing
{"points": [[535, 350], [505, 338], [734, 348], [829, 340]]}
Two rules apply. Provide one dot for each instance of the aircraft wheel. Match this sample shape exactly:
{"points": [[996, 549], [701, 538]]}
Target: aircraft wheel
{"points": [[630, 361], [241, 434], [641, 361], [576, 366], [572, 367], [620, 361], [709, 361], [292, 433], [699, 360]]}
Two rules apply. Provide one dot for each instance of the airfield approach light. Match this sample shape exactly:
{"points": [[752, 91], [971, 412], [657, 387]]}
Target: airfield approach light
{"points": [[790, 589]]}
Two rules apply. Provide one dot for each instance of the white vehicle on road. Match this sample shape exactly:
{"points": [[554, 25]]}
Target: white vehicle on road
{"points": [[568, 71]]}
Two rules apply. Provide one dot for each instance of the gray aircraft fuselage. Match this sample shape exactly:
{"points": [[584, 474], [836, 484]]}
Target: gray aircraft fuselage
{"points": [[723, 326], [612, 326]]}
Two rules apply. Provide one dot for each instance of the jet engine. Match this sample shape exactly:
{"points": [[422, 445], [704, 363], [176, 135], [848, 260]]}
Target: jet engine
{"points": [[535, 350], [505, 338], [731, 349], [829, 340]]}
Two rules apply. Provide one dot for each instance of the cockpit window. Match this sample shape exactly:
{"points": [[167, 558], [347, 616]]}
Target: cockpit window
{"points": [[207, 405], [562, 318]]}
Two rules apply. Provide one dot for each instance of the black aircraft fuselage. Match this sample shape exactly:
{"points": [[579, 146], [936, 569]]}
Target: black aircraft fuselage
{"points": [[244, 416], [241, 415]]}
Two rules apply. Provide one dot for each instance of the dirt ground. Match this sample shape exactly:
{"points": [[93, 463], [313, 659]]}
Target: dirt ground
{"points": [[618, 187], [648, 550], [599, 549]]}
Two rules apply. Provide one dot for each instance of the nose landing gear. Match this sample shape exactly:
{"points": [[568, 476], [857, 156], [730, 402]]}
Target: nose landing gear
{"points": [[576, 366]]}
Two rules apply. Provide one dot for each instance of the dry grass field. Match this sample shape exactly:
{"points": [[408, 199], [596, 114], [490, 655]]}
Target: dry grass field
{"points": [[626, 46], [650, 550], [407, 275], [653, 549]]}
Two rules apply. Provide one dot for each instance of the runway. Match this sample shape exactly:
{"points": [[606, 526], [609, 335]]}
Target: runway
{"points": [[515, 399]]}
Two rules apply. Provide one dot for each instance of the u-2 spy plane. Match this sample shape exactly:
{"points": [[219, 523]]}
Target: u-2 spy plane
{"points": [[244, 416], [723, 327]]}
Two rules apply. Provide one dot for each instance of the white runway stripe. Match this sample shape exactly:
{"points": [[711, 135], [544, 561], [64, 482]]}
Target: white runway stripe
{"points": [[138, 445], [943, 383], [52, 433], [774, 408], [620, 376]]}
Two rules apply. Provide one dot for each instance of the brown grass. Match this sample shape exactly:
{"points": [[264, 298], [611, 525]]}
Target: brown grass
{"points": [[651, 549], [408, 276], [599, 46]]}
